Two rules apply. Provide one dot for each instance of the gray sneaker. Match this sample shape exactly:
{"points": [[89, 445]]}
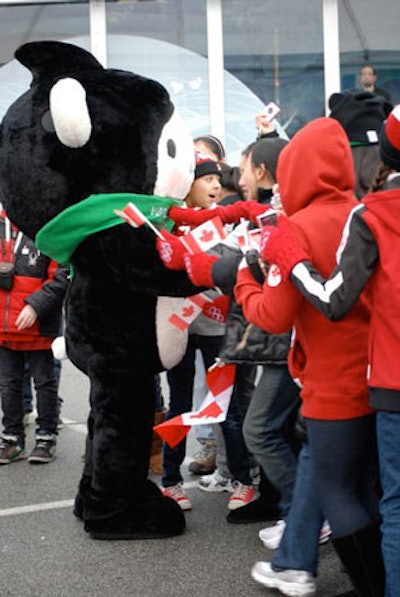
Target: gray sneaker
{"points": [[11, 449], [44, 450], [289, 582], [215, 483], [203, 462]]}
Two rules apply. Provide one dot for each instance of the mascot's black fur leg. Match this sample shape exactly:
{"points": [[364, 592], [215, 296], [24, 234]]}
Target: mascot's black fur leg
{"points": [[117, 501], [86, 480]]}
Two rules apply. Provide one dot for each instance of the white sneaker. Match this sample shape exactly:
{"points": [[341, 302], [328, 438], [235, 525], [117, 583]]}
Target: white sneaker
{"points": [[288, 582], [215, 483], [177, 493], [271, 536]]}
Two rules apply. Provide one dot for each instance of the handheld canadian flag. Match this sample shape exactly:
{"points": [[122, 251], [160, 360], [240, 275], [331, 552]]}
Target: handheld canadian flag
{"points": [[205, 236], [133, 216], [190, 309], [248, 239], [220, 380]]}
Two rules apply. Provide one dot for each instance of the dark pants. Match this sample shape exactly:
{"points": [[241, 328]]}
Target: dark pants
{"points": [[344, 465], [27, 388], [41, 365], [181, 380]]}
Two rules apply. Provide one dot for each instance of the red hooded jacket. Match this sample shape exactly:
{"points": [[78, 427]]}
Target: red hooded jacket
{"points": [[316, 180]]}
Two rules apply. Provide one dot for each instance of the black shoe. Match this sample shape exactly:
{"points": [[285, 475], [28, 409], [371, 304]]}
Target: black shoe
{"points": [[44, 450], [257, 511], [360, 553]]}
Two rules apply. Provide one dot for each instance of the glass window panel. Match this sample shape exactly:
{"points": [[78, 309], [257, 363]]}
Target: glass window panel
{"points": [[369, 35], [23, 23], [276, 49]]}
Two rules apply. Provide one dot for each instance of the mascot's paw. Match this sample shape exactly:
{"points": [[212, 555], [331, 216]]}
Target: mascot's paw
{"points": [[154, 517]]}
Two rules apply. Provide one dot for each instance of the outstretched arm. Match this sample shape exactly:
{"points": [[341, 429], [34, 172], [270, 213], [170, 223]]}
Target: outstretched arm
{"points": [[335, 296]]}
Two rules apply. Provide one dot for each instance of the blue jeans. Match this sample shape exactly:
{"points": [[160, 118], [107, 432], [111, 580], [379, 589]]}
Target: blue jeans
{"points": [[238, 458], [268, 429], [344, 460], [388, 433], [181, 380], [298, 549]]}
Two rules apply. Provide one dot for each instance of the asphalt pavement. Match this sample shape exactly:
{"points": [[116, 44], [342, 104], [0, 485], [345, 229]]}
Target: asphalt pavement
{"points": [[44, 551]]}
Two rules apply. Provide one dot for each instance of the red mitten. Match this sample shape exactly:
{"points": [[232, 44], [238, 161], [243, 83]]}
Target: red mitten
{"points": [[171, 251], [190, 216], [279, 246], [249, 210], [199, 268]]}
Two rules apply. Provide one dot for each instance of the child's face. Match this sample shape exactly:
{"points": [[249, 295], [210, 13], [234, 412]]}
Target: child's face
{"points": [[205, 191]]}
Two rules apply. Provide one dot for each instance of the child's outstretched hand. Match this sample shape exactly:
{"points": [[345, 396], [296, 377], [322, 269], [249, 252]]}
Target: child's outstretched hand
{"points": [[279, 246], [171, 251]]}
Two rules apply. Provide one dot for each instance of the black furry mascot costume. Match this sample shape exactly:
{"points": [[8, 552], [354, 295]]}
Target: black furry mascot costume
{"points": [[80, 143]]}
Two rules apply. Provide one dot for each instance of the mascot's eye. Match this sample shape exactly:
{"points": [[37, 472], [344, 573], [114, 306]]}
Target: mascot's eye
{"points": [[171, 148], [47, 122]]}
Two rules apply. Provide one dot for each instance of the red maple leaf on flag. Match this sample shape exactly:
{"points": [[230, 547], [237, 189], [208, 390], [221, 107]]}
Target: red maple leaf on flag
{"points": [[187, 312], [206, 236], [212, 410]]}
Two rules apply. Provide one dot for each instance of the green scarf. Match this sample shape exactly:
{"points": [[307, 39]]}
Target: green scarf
{"points": [[60, 237]]}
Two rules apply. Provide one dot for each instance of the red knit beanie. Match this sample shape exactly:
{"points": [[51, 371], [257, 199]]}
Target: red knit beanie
{"points": [[390, 140]]}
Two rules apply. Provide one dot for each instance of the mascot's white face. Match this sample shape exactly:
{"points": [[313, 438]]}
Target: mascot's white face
{"points": [[176, 156], [176, 160]]}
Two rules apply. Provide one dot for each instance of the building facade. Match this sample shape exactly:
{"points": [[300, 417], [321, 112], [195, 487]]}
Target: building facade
{"points": [[221, 60]]}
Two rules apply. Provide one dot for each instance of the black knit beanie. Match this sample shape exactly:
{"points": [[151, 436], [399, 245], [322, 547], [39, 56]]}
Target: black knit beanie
{"points": [[205, 165], [361, 115]]}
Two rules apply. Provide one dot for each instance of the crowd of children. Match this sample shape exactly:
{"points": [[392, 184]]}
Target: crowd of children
{"points": [[315, 400], [336, 477]]}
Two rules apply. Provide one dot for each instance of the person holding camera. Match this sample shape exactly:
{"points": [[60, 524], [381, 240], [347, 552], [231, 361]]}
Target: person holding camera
{"points": [[32, 291]]}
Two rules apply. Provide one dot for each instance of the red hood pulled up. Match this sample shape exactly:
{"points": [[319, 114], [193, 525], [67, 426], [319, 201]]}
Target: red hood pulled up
{"points": [[317, 164]]}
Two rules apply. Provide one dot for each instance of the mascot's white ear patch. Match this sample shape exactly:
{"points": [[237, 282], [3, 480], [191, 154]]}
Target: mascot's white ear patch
{"points": [[176, 161], [70, 113]]}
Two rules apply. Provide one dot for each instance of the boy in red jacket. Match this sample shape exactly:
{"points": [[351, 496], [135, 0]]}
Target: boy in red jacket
{"points": [[32, 290]]}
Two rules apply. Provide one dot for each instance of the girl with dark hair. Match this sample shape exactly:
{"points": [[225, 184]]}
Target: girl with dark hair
{"points": [[210, 145]]}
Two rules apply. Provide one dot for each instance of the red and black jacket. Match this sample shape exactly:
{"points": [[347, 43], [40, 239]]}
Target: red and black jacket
{"points": [[37, 281]]}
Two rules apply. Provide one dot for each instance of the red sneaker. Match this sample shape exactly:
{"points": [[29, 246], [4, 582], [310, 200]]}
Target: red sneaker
{"points": [[177, 493], [242, 495]]}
